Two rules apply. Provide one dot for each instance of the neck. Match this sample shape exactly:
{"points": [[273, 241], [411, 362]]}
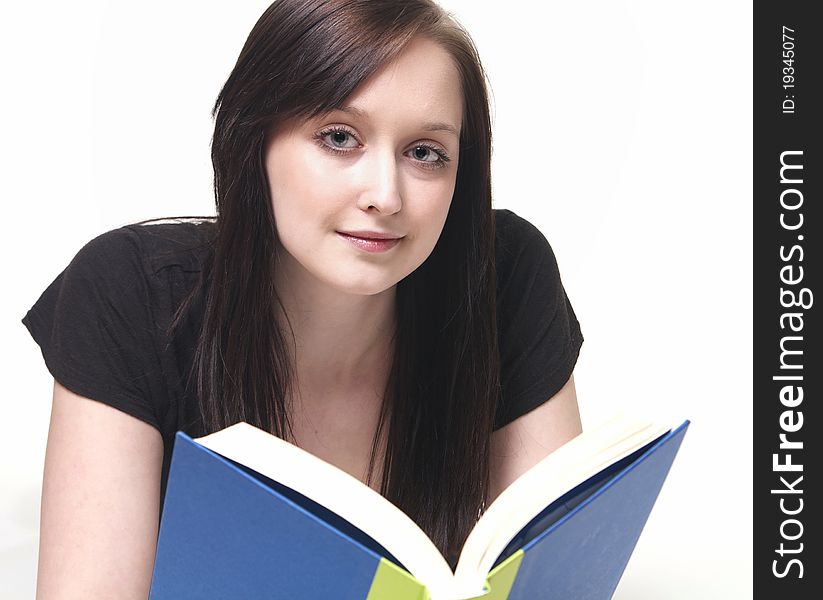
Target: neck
{"points": [[341, 341]]}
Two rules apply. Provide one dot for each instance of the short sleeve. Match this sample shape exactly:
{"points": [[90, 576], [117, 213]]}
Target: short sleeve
{"points": [[95, 328], [539, 336]]}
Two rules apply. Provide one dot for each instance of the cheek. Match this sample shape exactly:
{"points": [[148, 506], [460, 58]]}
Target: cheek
{"points": [[302, 192], [435, 208]]}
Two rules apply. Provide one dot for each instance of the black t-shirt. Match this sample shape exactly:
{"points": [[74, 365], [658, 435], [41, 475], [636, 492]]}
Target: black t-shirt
{"points": [[103, 324]]}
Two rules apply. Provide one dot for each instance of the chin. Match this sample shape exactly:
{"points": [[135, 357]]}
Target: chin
{"points": [[362, 285], [366, 289]]}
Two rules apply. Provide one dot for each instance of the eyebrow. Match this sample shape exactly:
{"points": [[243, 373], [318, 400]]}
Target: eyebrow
{"points": [[428, 126]]}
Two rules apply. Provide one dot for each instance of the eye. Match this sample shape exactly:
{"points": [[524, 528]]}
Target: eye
{"points": [[334, 139], [433, 156]]}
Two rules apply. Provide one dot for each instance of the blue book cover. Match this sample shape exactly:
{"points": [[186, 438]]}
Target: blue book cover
{"points": [[228, 531]]}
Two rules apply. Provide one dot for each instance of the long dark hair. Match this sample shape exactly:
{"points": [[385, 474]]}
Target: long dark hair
{"points": [[302, 59]]}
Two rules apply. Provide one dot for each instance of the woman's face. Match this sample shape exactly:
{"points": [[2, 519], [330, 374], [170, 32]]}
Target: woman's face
{"points": [[385, 166]]}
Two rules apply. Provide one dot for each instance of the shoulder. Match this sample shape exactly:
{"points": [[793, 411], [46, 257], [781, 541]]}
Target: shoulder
{"points": [[515, 235], [146, 249], [521, 249], [509, 225], [132, 276]]}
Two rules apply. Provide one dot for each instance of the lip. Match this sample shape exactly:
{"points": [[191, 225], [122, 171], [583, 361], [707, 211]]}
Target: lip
{"points": [[371, 235], [370, 244]]}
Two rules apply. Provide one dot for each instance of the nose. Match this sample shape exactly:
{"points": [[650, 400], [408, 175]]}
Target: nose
{"points": [[381, 189]]}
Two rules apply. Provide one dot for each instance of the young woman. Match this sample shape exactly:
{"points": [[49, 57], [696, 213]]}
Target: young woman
{"points": [[356, 295]]}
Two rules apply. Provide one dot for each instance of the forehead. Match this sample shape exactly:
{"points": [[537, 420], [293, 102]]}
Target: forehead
{"points": [[421, 87]]}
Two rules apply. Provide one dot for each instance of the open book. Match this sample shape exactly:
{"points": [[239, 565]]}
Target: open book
{"points": [[249, 515]]}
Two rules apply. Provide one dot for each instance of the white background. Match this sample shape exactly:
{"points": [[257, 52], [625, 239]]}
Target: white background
{"points": [[622, 130]]}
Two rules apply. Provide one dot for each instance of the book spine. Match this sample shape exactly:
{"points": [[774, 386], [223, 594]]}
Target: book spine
{"points": [[393, 583], [501, 579]]}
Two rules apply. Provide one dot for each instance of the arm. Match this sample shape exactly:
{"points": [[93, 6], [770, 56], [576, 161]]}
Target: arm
{"points": [[521, 444], [100, 504]]}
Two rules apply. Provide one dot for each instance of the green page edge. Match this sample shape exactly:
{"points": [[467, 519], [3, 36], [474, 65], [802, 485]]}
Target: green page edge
{"points": [[393, 583]]}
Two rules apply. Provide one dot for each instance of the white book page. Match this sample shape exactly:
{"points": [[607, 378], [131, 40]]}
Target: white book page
{"points": [[341, 493], [562, 470], [363, 507]]}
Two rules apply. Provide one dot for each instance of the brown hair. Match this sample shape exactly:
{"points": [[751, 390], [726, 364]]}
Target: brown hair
{"points": [[301, 59]]}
